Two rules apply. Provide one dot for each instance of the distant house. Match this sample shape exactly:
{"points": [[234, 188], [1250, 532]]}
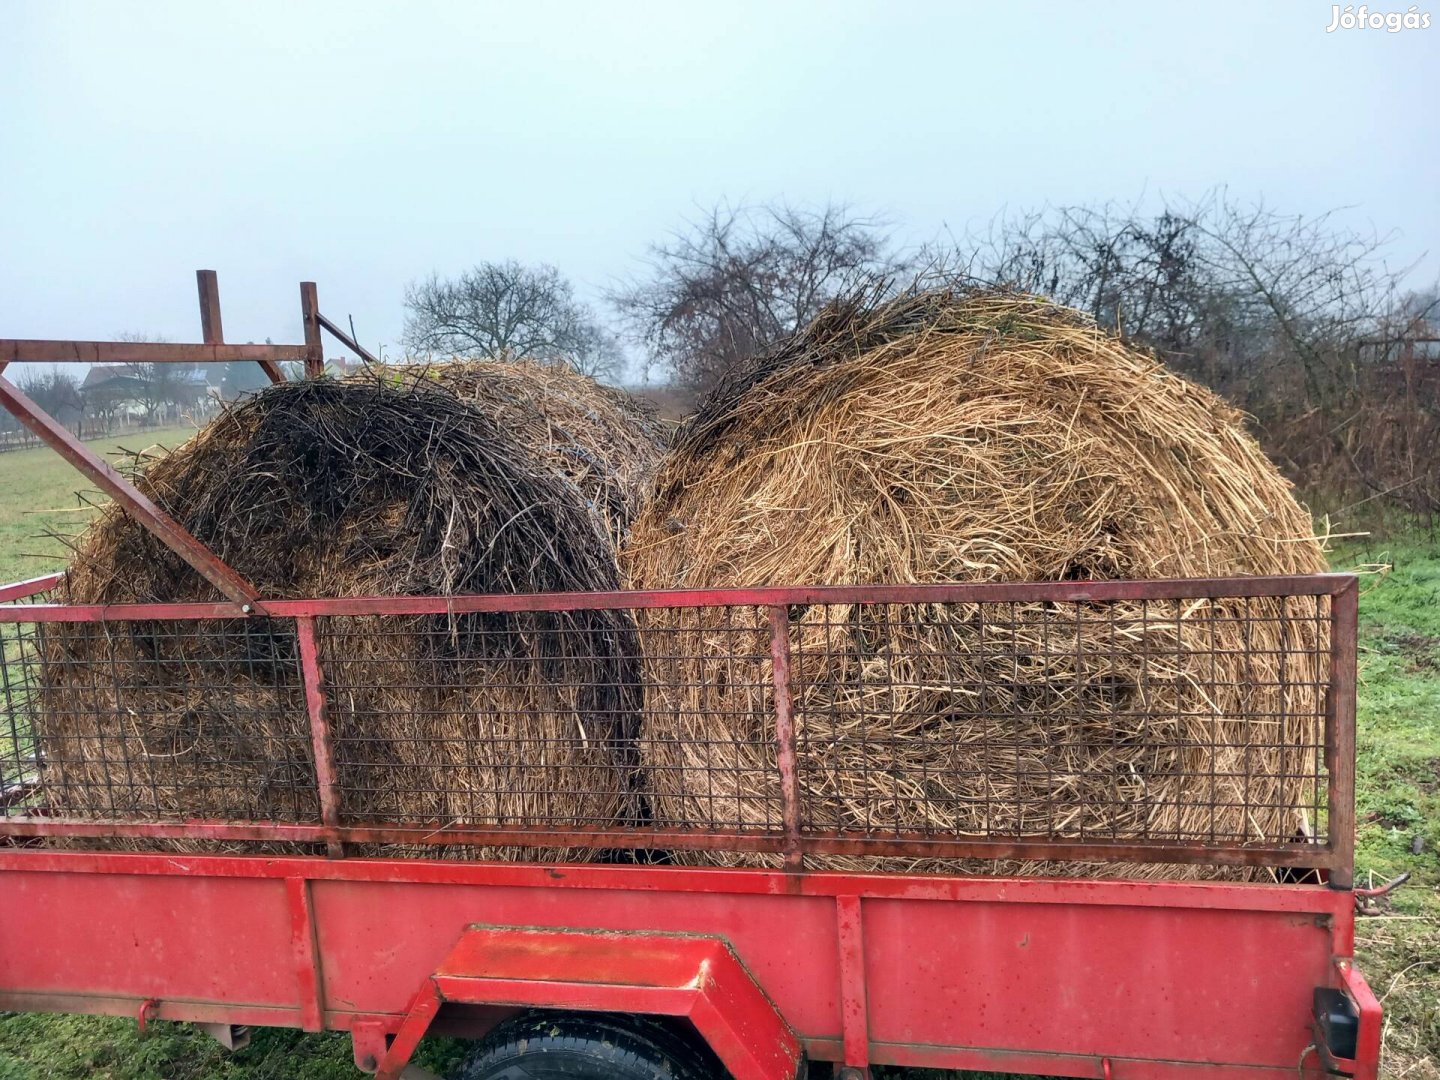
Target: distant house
{"points": [[144, 392]]}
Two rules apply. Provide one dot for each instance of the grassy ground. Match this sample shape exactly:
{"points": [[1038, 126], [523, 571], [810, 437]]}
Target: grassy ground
{"points": [[37, 498], [1399, 824], [1398, 797]]}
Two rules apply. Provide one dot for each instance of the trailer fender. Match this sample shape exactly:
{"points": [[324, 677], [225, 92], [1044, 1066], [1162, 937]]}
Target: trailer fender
{"points": [[696, 977]]}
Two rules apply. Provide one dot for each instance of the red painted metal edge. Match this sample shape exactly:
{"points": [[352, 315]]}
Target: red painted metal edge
{"points": [[785, 736], [1055, 591], [197, 1012], [854, 1006], [76, 613], [310, 317], [1200, 895], [835, 843], [1340, 734], [991, 1060], [100, 472], [418, 1017], [18, 590], [211, 327], [322, 744], [346, 340], [667, 974], [307, 958], [1367, 1045]]}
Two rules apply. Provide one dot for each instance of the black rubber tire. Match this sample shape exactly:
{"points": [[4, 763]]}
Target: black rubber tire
{"points": [[587, 1046]]}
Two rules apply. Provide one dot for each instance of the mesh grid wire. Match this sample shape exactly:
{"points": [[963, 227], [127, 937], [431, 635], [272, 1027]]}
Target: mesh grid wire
{"points": [[1196, 721], [1185, 721]]}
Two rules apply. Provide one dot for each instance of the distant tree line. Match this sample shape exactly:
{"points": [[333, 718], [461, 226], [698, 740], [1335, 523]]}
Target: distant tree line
{"points": [[111, 397], [1299, 320]]}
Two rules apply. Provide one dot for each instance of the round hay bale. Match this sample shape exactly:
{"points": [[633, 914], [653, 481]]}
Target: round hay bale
{"points": [[605, 441], [326, 488], [977, 437]]}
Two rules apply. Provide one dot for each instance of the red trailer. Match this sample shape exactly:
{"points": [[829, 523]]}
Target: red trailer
{"points": [[638, 964]]}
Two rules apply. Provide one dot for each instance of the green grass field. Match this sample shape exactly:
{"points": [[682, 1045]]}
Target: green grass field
{"points": [[1398, 813], [38, 498]]}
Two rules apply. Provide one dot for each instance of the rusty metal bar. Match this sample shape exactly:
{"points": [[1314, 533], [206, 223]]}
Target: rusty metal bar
{"points": [[973, 593], [20, 589], [211, 328], [24, 350], [779, 617], [314, 344], [1340, 735], [532, 836], [854, 1006], [308, 977], [321, 740], [103, 475], [346, 340]]}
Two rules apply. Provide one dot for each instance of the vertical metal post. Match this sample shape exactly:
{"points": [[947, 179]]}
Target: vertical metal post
{"points": [[314, 345], [322, 742], [211, 330], [307, 957], [1340, 734], [854, 1007], [785, 735]]}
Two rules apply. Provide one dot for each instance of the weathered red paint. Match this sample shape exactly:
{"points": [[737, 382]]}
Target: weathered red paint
{"points": [[212, 327], [854, 1006], [21, 350], [1367, 1045], [1150, 980], [345, 339], [321, 742], [987, 592], [1164, 978], [684, 975], [19, 590], [307, 958], [1340, 734], [785, 736]]}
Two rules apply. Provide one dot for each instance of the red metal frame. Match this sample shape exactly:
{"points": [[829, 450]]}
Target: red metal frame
{"points": [[1332, 853], [691, 976], [1138, 980], [1157, 980], [212, 350]]}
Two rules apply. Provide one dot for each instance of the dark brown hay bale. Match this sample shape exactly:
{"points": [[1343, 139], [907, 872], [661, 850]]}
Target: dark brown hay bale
{"points": [[348, 489], [602, 439], [948, 437]]}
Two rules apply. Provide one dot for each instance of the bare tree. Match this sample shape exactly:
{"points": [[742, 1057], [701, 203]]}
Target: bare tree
{"points": [[728, 285], [508, 308], [1298, 319], [1234, 294], [57, 392], [158, 387]]}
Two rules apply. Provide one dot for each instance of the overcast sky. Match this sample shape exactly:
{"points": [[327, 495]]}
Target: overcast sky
{"points": [[363, 145]]}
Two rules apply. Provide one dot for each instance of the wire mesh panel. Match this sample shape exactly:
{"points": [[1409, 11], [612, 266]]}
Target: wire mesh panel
{"points": [[19, 757], [1167, 720], [513, 720], [1161, 722], [168, 720]]}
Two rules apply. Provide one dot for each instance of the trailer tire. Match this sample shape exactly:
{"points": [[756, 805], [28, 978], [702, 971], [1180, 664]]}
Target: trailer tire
{"points": [[587, 1046]]}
